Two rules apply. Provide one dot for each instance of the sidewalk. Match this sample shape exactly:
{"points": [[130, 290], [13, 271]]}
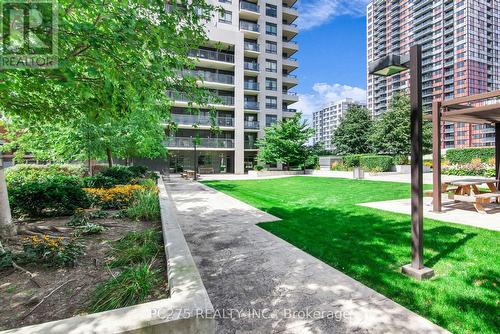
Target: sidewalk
{"points": [[259, 283]]}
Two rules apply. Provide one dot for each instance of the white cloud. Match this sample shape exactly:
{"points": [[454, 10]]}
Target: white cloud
{"points": [[313, 13], [325, 93]]}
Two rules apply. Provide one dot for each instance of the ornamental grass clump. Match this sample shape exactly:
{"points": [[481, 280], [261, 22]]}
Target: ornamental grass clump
{"points": [[145, 206], [136, 247]]}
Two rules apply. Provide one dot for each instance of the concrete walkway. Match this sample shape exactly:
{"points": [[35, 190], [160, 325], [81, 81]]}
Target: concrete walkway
{"points": [[259, 283]]}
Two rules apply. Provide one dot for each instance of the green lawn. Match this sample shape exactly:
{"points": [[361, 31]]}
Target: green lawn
{"points": [[320, 216]]}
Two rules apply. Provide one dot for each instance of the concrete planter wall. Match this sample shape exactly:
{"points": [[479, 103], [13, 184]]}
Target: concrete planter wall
{"points": [[187, 311], [406, 169], [262, 173]]}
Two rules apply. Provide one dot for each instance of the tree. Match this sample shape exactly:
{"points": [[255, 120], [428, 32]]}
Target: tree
{"points": [[391, 132], [352, 134], [285, 142], [116, 58]]}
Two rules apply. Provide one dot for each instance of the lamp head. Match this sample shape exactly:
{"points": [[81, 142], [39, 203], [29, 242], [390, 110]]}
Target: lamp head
{"points": [[389, 65]]}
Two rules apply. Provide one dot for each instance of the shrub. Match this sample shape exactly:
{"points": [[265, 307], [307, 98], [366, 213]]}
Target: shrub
{"points": [[121, 174], [80, 218], [474, 168], [401, 160], [136, 247], [28, 173], [117, 197], [54, 195], [376, 163], [145, 206], [138, 171], [99, 181], [465, 155], [51, 251], [130, 287], [352, 160], [258, 167], [148, 183]]}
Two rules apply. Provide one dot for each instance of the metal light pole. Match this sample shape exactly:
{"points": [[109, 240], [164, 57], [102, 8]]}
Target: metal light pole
{"points": [[387, 66]]}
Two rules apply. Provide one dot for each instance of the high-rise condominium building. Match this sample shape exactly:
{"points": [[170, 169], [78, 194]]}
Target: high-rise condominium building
{"points": [[461, 55], [326, 120], [248, 64]]}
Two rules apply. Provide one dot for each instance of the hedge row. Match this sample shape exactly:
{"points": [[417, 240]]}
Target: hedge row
{"points": [[465, 155], [371, 163]]}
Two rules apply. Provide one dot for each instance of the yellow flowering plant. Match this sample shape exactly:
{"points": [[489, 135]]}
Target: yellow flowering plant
{"points": [[117, 197], [52, 250]]}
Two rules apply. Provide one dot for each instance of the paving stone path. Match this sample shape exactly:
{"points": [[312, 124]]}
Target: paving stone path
{"points": [[259, 283]]}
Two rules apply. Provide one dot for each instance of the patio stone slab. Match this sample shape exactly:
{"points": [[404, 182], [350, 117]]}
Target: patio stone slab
{"points": [[456, 213], [267, 284]]}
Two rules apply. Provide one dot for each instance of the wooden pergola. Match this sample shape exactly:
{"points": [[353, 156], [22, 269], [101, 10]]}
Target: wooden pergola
{"points": [[476, 109]]}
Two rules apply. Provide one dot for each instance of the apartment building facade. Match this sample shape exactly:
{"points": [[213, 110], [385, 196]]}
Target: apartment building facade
{"points": [[461, 55], [248, 64], [326, 120]]}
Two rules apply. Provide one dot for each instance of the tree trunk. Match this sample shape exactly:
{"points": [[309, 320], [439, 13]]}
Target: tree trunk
{"points": [[7, 227], [110, 157]]}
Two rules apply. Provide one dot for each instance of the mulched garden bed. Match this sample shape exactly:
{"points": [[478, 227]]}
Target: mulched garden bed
{"points": [[59, 292]]}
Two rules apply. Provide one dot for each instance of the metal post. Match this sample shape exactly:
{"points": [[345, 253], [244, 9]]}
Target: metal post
{"points": [[416, 268], [195, 163], [497, 152], [436, 157]]}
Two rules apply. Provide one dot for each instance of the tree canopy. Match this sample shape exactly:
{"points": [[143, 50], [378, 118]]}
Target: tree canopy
{"points": [[391, 132], [353, 133], [286, 142]]}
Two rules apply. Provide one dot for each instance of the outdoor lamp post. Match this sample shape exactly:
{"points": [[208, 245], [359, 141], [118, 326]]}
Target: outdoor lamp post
{"points": [[387, 66]]}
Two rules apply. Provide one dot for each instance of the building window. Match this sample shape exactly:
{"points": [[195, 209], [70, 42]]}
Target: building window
{"points": [[271, 10], [271, 84], [225, 1], [271, 47], [226, 16], [271, 102], [271, 119], [271, 66], [271, 29]]}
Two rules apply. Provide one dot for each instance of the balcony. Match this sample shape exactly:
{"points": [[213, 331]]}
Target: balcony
{"points": [[183, 98], [250, 29], [252, 125], [290, 97], [187, 142], [251, 48], [211, 76], [290, 64], [251, 105], [289, 110], [251, 85], [290, 79], [290, 13], [290, 30], [251, 145], [290, 47], [202, 120], [249, 10], [209, 56], [251, 66]]}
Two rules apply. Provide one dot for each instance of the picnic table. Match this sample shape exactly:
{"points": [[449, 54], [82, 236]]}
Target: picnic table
{"points": [[466, 190], [188, 174]]}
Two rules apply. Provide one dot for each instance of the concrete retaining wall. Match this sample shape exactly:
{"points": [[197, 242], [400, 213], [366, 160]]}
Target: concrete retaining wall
{"points": [[255, 173], [187, 311]]}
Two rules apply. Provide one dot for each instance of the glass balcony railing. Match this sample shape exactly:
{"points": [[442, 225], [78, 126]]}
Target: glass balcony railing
{"points": [[250, 144], [252, 125], [251, 66], [202, 120], [254, 105], [211, 55], [217, 99], [252, 7], [251, 46], [187, 142], [250, 26], [289, 110], [212, 77], [250, 85]]}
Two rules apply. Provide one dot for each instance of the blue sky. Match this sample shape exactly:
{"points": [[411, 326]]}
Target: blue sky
{"points": [[332, 54]]}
